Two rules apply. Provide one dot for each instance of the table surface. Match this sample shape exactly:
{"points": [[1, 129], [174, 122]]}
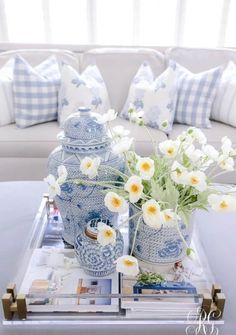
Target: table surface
{"points": [[19, 202]]}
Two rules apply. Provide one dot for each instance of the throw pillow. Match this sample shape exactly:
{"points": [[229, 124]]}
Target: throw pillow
{"points": [[196, 93], [155, 96], [6, 96], [224, 106], [35, 91], [86, 89]]}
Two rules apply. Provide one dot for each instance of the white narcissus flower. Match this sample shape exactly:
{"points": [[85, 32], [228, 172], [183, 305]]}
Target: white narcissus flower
{"points": [[170, 218], [197, 179], [222, 203], [169, 148], [109, 116], [62, 174], [135, 188], [152, 215], [194, 154], [119, 132], [210, 152], [178, 173], [226, 162], [128, 265], [197, 135], [89, 166], [53, 186], [115, 203], [123, 145], [137, 117], [106, 235], [146, 168]]}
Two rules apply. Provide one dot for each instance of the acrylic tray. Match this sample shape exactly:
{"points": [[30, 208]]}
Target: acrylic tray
{"points": [[50, 288]]}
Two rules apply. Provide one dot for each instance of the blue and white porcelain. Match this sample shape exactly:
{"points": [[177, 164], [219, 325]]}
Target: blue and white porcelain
{"points": [[158, 246], [82, 137], [95, 259]]}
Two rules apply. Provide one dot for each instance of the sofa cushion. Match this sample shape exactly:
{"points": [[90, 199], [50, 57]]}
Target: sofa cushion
{"points": [[6, 97], [196, 93], [224, 106], [36, 56], [118, 67], [35, 91], [198, 60], [85, 89], [155, 96], [213, 134], [41, 139], [35, 141]]}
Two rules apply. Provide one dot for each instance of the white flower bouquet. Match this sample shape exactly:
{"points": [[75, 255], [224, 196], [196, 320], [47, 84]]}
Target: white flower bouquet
{"points": [[167, 186]]}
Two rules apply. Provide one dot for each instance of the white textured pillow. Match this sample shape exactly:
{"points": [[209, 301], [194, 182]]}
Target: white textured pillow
{"points": [[155, 96], [86, 89], [224, 107], [6, 94]]}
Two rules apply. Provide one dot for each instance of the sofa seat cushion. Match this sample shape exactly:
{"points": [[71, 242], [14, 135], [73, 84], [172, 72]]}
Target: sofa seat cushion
{"points": [[213, 134], [35, 141], [39, 140], [118, 67]]}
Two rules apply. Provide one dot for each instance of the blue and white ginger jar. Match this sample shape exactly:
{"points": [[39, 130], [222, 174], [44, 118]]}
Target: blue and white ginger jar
{"points": [[95, 259], [82, 137], [158, 246]]}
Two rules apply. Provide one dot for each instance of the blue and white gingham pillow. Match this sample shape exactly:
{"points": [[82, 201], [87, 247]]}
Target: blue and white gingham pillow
{"points": [[35, 91], [196, 94]]}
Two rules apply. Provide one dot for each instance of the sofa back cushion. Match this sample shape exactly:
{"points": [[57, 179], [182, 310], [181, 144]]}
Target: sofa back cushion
{"points": [[36, 56], [198, 60], [118, 66]]}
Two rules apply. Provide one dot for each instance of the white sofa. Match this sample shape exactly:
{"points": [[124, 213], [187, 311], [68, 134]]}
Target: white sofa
{"points": [[24, 152]]}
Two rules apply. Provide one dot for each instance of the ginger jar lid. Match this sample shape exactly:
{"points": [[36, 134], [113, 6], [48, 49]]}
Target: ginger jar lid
{"points": [[82, 132]]}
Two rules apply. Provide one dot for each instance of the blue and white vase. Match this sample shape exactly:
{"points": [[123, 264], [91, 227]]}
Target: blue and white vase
{"points": [[158, 246], [95, 259], [82, 137]]}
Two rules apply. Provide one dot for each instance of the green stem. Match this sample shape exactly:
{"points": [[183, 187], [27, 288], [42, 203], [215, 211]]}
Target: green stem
{"points": [[135, 234], [116, 171], [150, 136], [96, 183], [129, 218], [181, 235]]}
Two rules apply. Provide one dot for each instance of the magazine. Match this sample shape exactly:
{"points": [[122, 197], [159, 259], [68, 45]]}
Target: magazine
{"points": [[54, 272]]}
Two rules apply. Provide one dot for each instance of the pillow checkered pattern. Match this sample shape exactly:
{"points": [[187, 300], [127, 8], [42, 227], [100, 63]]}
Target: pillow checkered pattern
{"points": [[224, 106], [196, 94], [35, 91]]}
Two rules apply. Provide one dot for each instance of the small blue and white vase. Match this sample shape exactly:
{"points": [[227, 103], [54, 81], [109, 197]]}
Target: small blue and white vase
{"points": [[83, 136], [158, 246], [97, 260]]}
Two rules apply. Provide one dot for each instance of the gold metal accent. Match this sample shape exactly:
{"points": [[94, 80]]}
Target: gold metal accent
{"points": [[206, 303], [13, 303]]}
